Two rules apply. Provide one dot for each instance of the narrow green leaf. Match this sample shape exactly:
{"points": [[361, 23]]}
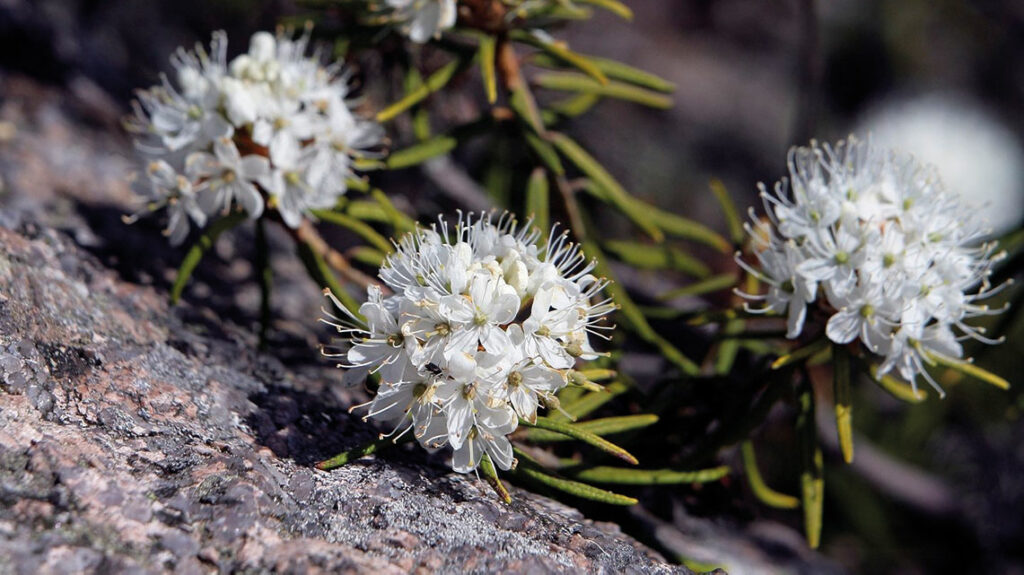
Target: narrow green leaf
{"points": [[401, 222], [540, 475], [573, 82], [898, 389], [812, 480], [587, 437], [421, 152], [435, 82], [537, 200], [603, 426], [573, 106], [657, 257], [687, 229], [703, 287], [487, 59], [732, 217], [545, 152], [491, 475], [202, 244], [357, 184], [614, 70], [562, 52], [969, 369], [420, 115], [764, 494], [353, 454], [591, 401], [613, 6], [598, 374], [358, 227], [729, 347], [800, 354], [522, 102], [366, 255], [321, 273], [616, 194], [625, 476], [635, 318], [367, 211], [842, 372]]}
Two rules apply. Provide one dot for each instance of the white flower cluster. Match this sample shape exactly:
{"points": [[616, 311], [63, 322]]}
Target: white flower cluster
{"points": [[273, 124], [481, 329], [422, 20], [873, 237]]}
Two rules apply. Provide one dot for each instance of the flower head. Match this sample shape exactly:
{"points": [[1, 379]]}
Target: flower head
{"points": [[873, 239], [272, 127], [482, 327], [422, 20]]}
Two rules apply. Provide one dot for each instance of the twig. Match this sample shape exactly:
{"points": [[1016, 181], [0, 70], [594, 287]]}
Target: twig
{"points": [[307, 234]]}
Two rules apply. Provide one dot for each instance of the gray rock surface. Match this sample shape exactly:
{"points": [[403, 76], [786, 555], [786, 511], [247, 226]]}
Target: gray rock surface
{"points": [[140, 438]]}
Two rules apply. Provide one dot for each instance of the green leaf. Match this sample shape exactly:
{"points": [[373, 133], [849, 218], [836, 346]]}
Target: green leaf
{"points": [[898, 389], [433, 83], [732, 217], [421, 152], [367, 211], [598, 374], [615, 193], [812, 479], [573, 106], [545, 152], [656, 257], [491, 475], [603, 426], [562, 52], [625, 476], [591, 401], [522, 102], [635, 318], [202, 244], [969, 369], [587, 437], [321, 273], [487, 59], [366, 255], [537, 200], [842, 372], [613, 6], [764, 494], [573, 82], [801, 354], [729, 347], [530, 469], [685, 228], [703, 287], [358, 227], [353, 454], [401, 222], [616, 71]]}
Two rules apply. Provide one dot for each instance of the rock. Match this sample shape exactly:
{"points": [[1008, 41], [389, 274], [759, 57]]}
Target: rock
{"points": [[136, 437]]}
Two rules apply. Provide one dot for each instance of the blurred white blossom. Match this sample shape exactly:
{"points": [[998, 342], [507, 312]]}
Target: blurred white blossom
{"points": [[872, 239], [481, 328], [977, 156], [272, 127], [422, 20]]}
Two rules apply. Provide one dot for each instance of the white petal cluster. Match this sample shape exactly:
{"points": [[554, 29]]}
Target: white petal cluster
{"points": [[871, 238], [272, 125], [481, 327], [422, 20]]}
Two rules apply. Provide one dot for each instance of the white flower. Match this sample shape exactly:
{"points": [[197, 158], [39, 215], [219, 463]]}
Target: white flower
{"points": [[271, 124], [166, 187], [424, 19], [469, 315], [874, 240]]}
